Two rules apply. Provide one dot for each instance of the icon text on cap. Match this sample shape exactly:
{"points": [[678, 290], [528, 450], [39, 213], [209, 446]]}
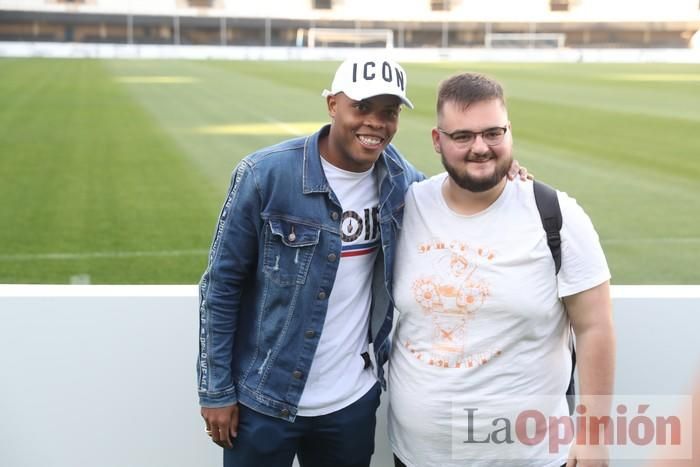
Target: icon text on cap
{"points": [[388, 74]]}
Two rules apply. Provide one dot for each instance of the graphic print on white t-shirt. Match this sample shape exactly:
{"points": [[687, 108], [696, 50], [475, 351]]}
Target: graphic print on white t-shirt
{"points": [[451, 291], [359, 231], [337, 376]]}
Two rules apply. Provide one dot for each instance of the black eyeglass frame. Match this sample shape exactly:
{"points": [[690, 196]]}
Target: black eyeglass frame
{"points": [[474, 135]]}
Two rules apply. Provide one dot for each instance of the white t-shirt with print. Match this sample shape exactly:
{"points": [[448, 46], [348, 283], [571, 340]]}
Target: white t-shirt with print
{"points": [[482, 334], [337, 377]]}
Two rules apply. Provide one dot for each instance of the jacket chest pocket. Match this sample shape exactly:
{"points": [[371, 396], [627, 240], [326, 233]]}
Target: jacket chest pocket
{"points": [[289, 247]]}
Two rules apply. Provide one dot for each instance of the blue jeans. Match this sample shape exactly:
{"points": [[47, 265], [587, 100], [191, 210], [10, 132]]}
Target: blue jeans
{"points": [[344, 438]]}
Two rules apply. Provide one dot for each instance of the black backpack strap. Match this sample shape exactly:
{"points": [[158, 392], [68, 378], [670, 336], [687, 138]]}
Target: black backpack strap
{"points": [[571, 390], [550, 213]]}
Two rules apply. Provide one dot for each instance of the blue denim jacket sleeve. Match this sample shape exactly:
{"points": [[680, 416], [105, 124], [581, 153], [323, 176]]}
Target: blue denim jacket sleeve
{"points": [[232, 261]]}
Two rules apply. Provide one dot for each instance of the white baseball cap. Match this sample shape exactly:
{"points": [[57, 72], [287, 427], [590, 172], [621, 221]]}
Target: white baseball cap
{"points": [[362, 78]]}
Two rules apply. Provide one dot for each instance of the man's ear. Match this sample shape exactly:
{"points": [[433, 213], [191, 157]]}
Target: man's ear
{"points": [[332, 103], [435, 134]]}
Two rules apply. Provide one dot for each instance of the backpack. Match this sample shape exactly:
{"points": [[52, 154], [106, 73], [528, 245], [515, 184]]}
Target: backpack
{"points": [[550, 214]]}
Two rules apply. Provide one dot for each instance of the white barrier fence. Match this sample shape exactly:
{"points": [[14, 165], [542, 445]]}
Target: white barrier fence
{"points": [[105, 375], [202, 52]]}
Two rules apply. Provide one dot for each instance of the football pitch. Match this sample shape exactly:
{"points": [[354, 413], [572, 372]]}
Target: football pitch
{"points": [[114, 172]]}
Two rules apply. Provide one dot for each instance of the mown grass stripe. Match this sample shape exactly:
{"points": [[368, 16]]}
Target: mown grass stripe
{"points": [[89, 164]]}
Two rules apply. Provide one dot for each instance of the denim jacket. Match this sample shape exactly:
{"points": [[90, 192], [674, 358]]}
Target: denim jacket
{"points": [[272, 266]]}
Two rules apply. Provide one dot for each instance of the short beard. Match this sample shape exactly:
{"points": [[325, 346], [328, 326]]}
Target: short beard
{"points": [[469, 183]]}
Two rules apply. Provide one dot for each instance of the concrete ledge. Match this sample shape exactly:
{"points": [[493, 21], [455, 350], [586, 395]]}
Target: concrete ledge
{"points": [[104, 375]]}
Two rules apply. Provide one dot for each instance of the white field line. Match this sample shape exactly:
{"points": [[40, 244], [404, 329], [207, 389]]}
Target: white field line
{"points": [[100, 254], [166, 253]]}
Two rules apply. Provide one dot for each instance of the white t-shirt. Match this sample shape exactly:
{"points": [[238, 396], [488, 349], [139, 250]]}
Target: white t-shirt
{"points": [[337, 377], [482, 333]]}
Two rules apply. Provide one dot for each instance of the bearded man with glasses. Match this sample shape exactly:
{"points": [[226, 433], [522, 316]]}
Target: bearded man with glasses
{"points": [[482, 342]]}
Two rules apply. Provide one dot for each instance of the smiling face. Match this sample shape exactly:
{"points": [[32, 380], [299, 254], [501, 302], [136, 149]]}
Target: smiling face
{"points": [[478, 167], [360, 130]]}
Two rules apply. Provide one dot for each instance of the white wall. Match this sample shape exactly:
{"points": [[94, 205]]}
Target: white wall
{"points": [[104, 376]]}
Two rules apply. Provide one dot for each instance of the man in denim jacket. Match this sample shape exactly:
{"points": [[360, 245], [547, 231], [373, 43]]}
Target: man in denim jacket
{"points": [[299, 283]]}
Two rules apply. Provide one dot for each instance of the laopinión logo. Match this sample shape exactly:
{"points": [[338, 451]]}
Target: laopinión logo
{"points": [[539, 427]]}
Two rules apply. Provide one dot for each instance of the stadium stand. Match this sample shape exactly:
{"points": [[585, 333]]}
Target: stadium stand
{"points": [[413, 23]]}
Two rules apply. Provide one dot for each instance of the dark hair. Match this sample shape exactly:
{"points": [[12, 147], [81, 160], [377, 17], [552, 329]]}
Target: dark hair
{"points": [[466, 88]]}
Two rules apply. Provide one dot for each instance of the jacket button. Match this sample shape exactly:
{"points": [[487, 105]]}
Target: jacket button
{"points": [[332, 257], [292, 237], [310, 333], [334, 216], [322, 295], [284, 412], [297, 374]]}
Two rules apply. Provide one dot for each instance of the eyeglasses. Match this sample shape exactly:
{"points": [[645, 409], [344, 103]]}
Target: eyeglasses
{"points": [[463, 138]]}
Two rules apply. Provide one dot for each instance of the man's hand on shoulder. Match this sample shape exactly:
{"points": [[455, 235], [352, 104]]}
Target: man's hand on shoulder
{"points": [[517, 170], [221, 424]]}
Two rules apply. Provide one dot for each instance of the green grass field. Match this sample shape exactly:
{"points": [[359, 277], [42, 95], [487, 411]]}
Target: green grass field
{"points": [[116, 170]]}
